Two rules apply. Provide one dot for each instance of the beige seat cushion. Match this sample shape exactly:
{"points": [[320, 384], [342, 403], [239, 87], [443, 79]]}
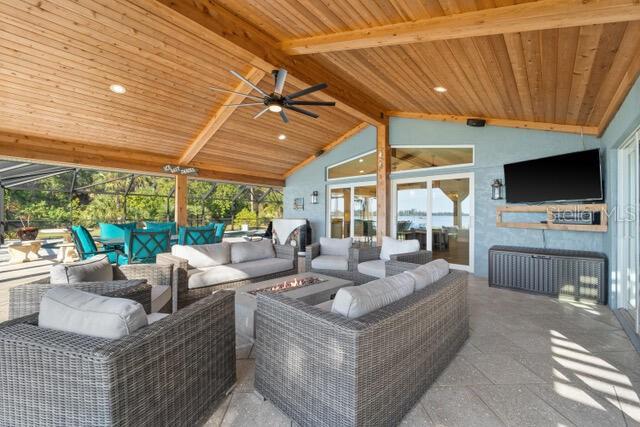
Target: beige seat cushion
{"points": [[200, 256], [373, 268], [335, 247], [234, 272], [70, 310], [251, 251], [356, 301], [325, 306], [392, 246], [330, 262], [429, 273], [95, 269]]}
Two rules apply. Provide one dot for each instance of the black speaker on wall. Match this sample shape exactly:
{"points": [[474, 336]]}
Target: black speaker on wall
{"points": [[476, 123]]}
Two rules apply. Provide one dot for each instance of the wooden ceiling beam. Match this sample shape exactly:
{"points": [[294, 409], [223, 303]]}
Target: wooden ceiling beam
{"points": [[31, 148], [518, 124], [241, 39], [221, 115], [342, 138], [532, 16]]}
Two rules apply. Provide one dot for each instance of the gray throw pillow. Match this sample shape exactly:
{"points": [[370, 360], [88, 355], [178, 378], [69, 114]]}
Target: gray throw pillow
{"points": [[251, 251], [70, 310], [94, 269]]}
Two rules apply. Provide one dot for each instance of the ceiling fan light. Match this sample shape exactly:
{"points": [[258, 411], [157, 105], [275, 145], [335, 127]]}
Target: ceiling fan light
{"points": [[282, 137], [275, 108]]}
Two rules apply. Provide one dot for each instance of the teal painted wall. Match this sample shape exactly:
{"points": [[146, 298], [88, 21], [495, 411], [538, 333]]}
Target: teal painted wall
{"points": [[494, 146]]}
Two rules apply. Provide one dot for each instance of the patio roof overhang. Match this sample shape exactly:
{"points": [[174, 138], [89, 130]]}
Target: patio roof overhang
{"points": [[568, 72]]}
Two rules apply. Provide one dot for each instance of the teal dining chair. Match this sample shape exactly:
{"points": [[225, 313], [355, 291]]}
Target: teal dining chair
{"points": [[161, 226], [142, 246], [114, 231], [86, 246], [196, 235], [220, 227]]}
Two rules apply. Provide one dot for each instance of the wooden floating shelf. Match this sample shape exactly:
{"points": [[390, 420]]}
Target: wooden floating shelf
{"points": [[550, 210]]}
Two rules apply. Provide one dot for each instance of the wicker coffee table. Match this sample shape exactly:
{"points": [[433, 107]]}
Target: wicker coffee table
{"points": [[320, 290]]}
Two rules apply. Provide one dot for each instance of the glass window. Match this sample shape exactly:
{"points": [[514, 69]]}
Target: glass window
{"points": [[412, 212], [340, 212], [364, 213], [412, 158], [363, 165]]}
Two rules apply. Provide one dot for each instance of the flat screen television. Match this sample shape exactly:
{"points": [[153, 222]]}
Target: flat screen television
{"points": [[568, 177]]}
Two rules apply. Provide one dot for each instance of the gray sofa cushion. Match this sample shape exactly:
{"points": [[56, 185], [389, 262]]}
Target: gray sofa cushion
{"points": [[335, 247], [429, 273], [94, 269], [330, 262], [356, 301], [200, 256], [373, 268], [233, 272], [392, 246], [67, 309], [251, 251]]}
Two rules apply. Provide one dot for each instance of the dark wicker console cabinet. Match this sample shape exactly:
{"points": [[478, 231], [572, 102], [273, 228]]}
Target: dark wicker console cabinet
{"points": [[582, 275]]}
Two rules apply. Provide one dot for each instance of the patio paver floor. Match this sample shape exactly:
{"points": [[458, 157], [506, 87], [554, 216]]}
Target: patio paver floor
{"points": [[530, 361]]}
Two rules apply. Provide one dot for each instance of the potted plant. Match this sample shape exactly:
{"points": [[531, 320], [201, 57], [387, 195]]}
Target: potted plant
{"points": [[26, 232]]}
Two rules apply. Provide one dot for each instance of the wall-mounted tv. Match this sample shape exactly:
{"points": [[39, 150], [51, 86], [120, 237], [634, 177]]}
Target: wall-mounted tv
{"points": [[568, 177]]}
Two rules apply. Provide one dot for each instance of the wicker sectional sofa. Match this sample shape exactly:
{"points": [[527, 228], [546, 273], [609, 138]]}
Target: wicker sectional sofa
{"points": [[183, 272], [170, 373], [323, 369]]}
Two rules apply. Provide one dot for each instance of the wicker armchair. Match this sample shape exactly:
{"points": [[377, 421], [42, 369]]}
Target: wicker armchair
{"points": [[25, 299], [186, 296], [171, 372], [360, 372], [363, 254]]}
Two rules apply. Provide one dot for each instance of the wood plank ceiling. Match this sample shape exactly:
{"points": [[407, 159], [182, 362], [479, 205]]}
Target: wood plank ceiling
{"points": [[59, 57], [561, 76]]}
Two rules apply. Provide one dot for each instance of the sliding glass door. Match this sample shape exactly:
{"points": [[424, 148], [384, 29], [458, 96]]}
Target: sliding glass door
{"points": [[438, 212], [352, 212], [627, 216]]}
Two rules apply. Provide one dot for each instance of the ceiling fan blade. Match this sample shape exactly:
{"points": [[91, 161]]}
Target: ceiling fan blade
{"points": [[302, 111], [310, 89], [260, 91], [284, 116], [318, 103], [261, 113], [280, 79], [243, 104], [233, 91]]}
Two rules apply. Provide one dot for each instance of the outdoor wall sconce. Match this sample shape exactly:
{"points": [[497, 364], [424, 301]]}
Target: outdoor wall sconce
{"points": [[314, 198], [496, 189]]}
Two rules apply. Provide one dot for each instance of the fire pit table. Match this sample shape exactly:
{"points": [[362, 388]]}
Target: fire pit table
{"points": [[312, 288]]}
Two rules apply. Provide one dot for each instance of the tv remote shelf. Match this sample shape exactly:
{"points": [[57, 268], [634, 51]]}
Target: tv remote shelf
{"points": [[550, 211]]}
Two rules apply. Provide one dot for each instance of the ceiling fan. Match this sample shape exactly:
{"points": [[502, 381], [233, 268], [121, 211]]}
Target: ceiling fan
{"points": [[277, 102]]}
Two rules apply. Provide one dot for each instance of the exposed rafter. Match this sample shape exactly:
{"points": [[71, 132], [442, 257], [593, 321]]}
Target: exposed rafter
{"points": [[66, 153], [238, 37], [331, 145], [519, 124], [221, 115], [532, 16]]}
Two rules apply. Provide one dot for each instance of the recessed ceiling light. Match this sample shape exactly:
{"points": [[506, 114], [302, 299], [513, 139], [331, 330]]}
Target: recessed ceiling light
{"points": [[115, 88], [282, 137], [361, 160], [361, 171], [275, 108], [440, 89]]}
